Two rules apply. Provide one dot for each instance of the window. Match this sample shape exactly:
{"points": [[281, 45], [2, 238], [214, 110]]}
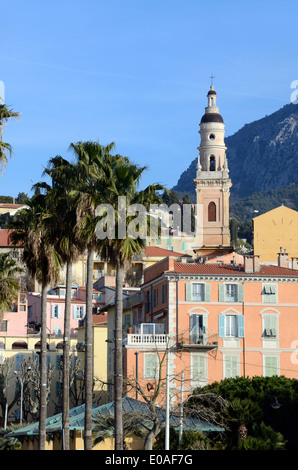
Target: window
{"points": [[56, 311], [79, 312], [231, 366], [212, 163], [230, 326], [269, 293], [197, 329], [230, 292], [152, 329], [212, 212], [151, 366], [270, 366], [3, 325], [147, 302], [269, 325], [198, 367], [197, 292], [163, 293], [155, 297]]}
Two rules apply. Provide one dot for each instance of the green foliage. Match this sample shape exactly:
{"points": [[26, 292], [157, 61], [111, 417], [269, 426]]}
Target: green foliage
{"points": [[190, 440], [251, 402], [7, 442]]}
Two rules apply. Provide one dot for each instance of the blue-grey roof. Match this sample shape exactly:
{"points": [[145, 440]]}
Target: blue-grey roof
{"points": [[77, 415]]}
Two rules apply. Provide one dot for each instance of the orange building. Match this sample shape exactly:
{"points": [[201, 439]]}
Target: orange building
{"points": [[215, 321]]}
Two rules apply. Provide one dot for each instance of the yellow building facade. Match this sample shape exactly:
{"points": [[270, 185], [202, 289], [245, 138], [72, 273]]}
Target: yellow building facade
{"points": [[274, 230]]}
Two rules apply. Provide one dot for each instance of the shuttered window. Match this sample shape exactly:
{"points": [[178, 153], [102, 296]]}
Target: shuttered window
{"points": [[151, 366], [269, 293], [230, 293], [197, 329], [231, 326], [270, 366], [231, 366], [198, 367], [197, 292]]}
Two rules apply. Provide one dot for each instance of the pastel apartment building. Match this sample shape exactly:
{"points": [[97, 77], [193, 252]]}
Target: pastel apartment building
{"points": [[56, 308], [216, 321]]}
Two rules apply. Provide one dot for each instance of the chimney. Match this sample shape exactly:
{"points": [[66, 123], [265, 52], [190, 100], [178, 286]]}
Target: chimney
{"points": [[294, 263], [248, 264], [282, 258], [252, 264]]}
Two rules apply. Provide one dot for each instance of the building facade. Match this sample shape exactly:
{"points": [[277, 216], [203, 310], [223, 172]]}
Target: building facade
{"points": [[216, 321]]}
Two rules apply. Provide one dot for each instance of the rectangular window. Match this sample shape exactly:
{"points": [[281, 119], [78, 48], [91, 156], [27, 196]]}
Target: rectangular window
{"points": [[231, 326], [3, 325], [79, 312], [231, 366], [152, 329], [163, 293], [269, 293], [230, 293], [197, 329], [270, 366], [269, 326], [56, 311], [151, 366], [147, 302], [155, 297], [198, 367], [198, 292]]}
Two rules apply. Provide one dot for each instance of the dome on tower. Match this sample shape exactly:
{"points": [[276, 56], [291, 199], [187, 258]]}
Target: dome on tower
{"points": [[211, 117], [211, 92]]}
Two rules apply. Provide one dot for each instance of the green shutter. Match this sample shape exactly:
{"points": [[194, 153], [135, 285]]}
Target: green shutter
{"points": [[221, 292], [240, 322], [188, 291], [207, 292], [240, 293]]}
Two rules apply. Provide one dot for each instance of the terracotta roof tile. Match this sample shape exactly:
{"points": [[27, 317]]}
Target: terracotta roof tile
{"points": [[226, 269], [157, 251]]}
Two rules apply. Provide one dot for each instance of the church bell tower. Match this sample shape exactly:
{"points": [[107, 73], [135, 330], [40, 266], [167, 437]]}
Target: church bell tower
{"points": [[212, 184]]}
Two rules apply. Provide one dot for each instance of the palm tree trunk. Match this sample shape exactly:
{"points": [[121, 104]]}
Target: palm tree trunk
{"points": [[88, 354], [118, 375], [65, 369], [43, 370]]}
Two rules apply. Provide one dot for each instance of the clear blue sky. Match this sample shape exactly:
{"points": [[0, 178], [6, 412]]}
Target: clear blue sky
{"points": [[136, 72]]}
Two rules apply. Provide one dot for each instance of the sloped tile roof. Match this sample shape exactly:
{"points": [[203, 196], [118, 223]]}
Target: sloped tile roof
{"points": [[226, 269]]}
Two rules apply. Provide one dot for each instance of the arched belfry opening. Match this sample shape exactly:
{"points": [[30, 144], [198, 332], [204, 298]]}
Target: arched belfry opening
{"points": [[212, 163], [212, 212]]}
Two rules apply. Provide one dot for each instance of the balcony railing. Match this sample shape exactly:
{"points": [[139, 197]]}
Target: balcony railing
{"points": [[151, 340], [207, 340]]}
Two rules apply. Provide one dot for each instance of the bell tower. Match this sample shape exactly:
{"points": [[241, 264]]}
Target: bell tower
{"points": [[212, 183]]}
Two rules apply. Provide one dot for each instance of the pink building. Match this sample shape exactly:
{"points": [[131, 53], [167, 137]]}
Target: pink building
{"points": [[56, 308], [218, 320], [14, 322]]}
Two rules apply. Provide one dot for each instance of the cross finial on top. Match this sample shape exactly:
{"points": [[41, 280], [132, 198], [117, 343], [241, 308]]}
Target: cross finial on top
{"points": [[212, 77]]}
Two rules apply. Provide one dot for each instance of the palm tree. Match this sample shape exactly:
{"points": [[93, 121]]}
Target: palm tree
{"points": [[5, 115], [43, 263], [120, 251], [90, 163], [60, 222], [9, 284]]}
